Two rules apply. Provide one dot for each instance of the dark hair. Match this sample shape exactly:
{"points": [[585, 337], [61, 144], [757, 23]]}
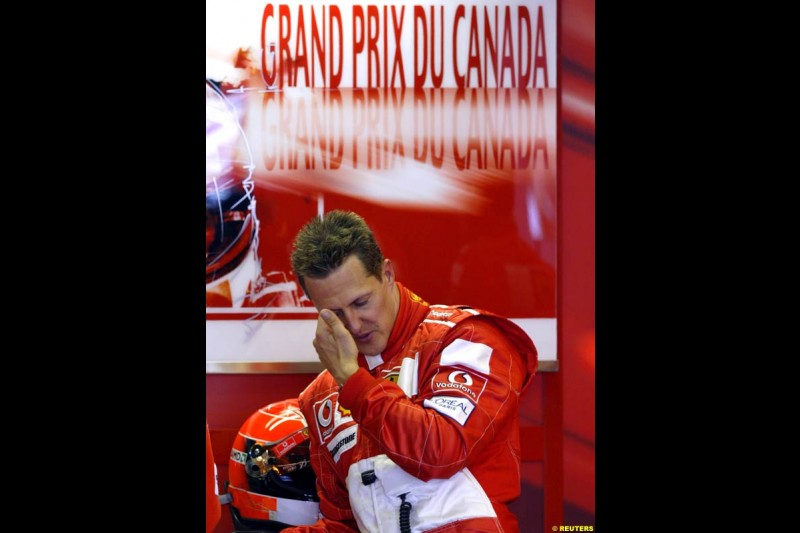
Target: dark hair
{"points": [[323, 244]]}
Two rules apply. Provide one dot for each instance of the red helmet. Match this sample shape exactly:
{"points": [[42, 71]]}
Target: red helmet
{"points": [[271, 483]]}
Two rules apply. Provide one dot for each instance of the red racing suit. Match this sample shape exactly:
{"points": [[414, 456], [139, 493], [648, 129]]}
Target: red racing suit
{"points": [[431, 422]]}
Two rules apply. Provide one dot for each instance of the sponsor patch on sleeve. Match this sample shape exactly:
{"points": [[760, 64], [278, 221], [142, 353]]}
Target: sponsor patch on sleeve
{"points": [[458, 381], [457, 408], [474, 355], [343, 441], [330, 416]]}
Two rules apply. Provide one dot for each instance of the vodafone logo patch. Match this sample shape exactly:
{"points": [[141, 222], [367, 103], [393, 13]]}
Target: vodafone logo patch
{"points": [[329, 415], [323, 411], [459, 381], [459, 376]]}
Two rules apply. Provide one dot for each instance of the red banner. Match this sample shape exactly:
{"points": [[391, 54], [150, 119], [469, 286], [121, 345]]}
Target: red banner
{"points": [[436, 122]]}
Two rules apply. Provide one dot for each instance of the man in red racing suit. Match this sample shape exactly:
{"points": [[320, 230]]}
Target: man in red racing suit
{"points": [[414, 423]]}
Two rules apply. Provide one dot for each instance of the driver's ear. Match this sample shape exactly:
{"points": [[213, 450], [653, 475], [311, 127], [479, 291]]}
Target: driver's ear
{"points": [[388, 270]]}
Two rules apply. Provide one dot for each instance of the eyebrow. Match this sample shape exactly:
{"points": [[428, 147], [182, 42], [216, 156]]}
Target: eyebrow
{"points": [[352, 302]]}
